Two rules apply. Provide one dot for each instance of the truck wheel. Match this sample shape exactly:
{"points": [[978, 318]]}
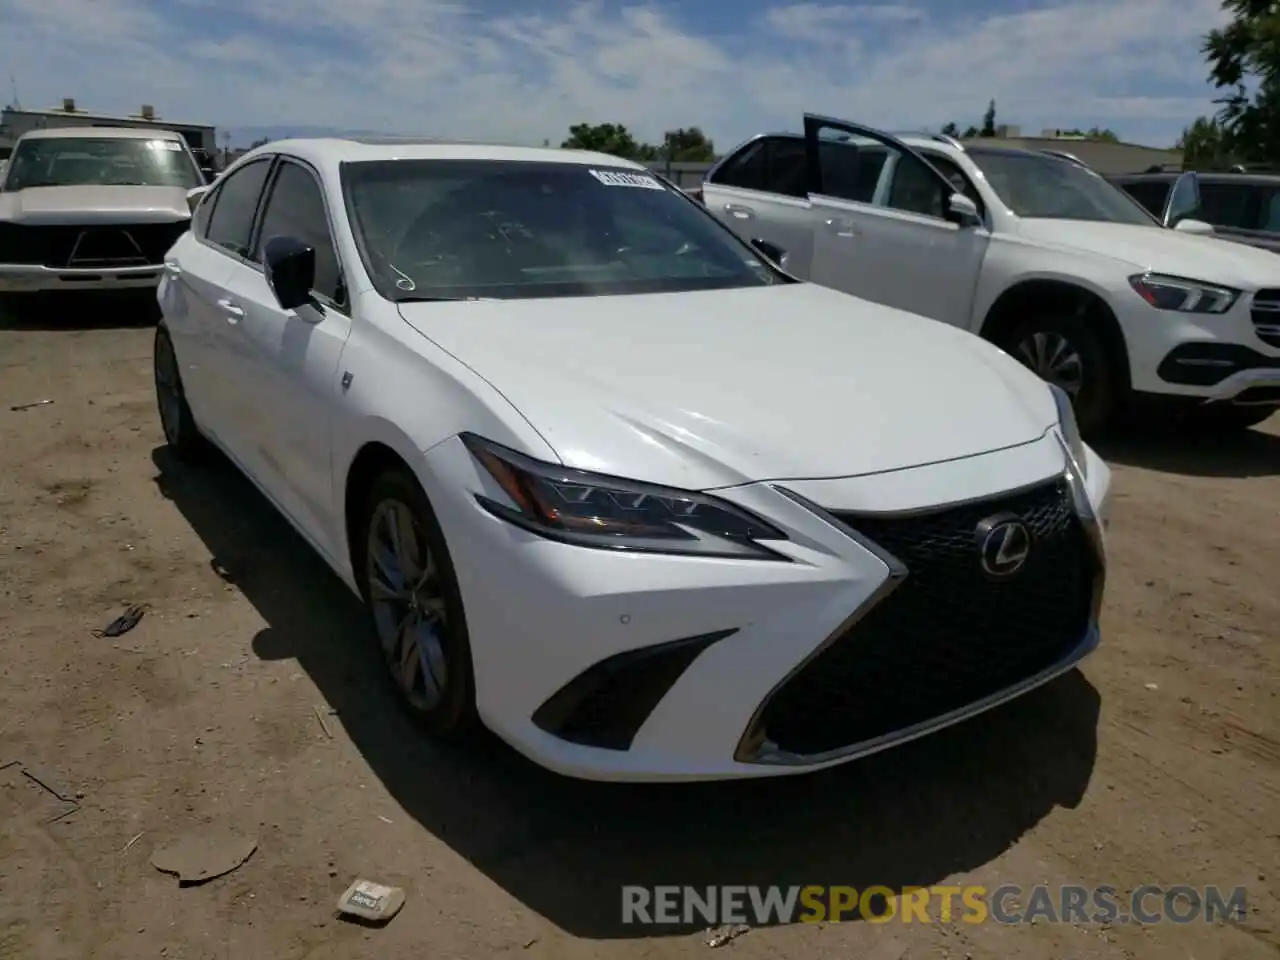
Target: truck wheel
{"points": [[1063, 349]]}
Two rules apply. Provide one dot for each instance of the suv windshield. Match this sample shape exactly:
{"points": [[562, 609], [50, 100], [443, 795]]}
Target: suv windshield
{"points": [[448, 229], [89, 161], [1033, 185]]}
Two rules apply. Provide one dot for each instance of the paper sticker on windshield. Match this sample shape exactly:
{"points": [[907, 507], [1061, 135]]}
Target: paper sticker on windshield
{"points": [[615, 178], [172, 145]]}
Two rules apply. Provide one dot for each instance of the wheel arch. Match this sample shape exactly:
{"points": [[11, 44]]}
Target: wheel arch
{"points": [[1029, 295]]}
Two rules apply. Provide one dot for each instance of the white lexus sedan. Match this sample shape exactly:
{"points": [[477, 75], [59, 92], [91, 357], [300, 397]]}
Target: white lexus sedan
{"points": [[612, 483]]}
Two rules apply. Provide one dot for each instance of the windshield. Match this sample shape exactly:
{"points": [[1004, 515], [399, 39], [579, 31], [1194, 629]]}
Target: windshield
{"points": [[1033, 185], [89, 161], [448, 229]]}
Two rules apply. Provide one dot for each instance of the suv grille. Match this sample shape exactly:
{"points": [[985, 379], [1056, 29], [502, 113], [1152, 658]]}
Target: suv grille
{"points": [[97, 245], [948, 636], [1266, 316]]}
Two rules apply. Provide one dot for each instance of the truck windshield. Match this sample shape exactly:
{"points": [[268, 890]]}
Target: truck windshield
{"points": [[90, 161]]}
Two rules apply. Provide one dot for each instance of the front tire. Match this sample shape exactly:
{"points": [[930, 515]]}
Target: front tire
{"points": [[1064, 349], [180, 430], [410, 589]]}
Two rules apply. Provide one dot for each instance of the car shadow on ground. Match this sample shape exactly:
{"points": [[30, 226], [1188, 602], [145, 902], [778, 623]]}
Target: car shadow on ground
{"points": [[1171, 447], [565, 848], [79, 311]]}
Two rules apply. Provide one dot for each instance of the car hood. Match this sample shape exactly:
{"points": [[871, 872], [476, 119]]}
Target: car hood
{"points": [[716, 388], [94, 204], [1162, 251]]}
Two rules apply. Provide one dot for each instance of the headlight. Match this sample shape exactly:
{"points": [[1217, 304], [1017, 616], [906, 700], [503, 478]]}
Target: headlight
{"points": [[1069, 428], [1182, 296], [592, 510]]}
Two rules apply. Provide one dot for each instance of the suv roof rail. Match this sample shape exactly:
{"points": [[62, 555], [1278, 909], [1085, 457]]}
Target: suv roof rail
{"points": [[1069, 157], [949, 140]]}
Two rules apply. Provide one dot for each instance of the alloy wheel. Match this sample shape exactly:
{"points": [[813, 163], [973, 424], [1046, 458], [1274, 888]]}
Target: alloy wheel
{"points": [[168, 390], [1054, 359], [407, 600]]}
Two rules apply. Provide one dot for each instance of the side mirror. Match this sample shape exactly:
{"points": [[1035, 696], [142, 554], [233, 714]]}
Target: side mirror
{"points": [[962, 210], [194, 196], [1184, 199], [1196, 227], [772, 252], [291, 271]]}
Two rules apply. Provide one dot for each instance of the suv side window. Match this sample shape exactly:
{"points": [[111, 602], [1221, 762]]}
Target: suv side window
{"points": [[231, 219], [771, 165], [1152, 194], [1226, 204], [295, 208], [951, 170]]}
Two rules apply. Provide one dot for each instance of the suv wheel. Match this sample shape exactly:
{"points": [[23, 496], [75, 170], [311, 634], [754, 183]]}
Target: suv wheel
{"points": [[1063, 349]]}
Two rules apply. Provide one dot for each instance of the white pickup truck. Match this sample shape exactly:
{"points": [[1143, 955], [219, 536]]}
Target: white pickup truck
{"points": [[1031, 250]]}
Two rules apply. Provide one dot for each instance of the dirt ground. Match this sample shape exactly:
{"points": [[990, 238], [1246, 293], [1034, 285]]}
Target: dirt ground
{"points": [[1158, 763]]}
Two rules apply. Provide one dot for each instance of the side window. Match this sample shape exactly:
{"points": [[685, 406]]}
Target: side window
{"points": [[1269, 209], [200, 219], [746, 169], [1225, 204], [295, 208], [914, 188], [1152, 194], [786, 167], [231, 219], [851, 172], [949, 169]]}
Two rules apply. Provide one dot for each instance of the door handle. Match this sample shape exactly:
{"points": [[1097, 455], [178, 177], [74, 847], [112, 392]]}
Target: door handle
{"points": [[841, 227], [232, 311], [738, 211]]}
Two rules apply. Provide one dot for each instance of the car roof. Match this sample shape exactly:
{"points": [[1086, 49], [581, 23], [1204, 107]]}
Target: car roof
{"points": [[330, 152], [100, 133]]}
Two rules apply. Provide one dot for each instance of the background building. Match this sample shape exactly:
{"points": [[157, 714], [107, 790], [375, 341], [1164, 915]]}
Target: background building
{"points": [[14, 122]]}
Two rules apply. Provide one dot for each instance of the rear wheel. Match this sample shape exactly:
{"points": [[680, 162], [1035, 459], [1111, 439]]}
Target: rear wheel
{"points": [[406, 577], [180, 430], [1063, 349]]}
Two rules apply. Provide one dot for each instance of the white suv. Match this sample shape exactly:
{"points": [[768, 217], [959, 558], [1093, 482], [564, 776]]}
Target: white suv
{"points": [[1030, 250]]}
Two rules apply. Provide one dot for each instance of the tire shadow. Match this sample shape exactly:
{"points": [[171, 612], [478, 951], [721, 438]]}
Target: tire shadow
{"points": [[565, 848]]}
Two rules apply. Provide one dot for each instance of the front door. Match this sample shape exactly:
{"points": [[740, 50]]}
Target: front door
{"points": [[882, 224], [291, 372]]}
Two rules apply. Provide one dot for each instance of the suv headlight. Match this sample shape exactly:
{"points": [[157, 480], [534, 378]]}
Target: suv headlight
{"points": [[1182, 296], [592, 510], [1069, 428]]}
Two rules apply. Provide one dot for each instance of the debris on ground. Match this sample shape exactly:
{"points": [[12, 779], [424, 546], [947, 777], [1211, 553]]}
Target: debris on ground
{"points": [[370, 902], [123, 623], [47, 786], [128, 845], [726, 934], [320, 713], [30, 406], [1151, 686], [203, 855]]}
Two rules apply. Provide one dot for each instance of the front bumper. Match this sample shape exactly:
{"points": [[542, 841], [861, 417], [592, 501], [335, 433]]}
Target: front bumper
{"points": [[1232, 358], [35, 278], [680, 660]]}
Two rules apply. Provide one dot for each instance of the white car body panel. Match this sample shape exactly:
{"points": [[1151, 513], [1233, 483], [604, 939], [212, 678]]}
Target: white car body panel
{"points": [[843, 402]]}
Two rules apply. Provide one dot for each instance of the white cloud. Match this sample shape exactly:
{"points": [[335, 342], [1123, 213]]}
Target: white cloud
{"points": [[454, 67]]}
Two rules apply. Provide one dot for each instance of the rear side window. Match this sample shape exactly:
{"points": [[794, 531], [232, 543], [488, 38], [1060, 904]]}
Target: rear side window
{"points": [[1152, 194], [1226, 204], [772, 165], [231, 220]]}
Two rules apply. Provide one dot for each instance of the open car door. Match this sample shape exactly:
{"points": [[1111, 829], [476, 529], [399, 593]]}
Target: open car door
{"points": [[887, 226]]}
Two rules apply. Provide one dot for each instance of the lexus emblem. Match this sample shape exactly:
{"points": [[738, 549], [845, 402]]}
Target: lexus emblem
{"points": [[1004, 543]]}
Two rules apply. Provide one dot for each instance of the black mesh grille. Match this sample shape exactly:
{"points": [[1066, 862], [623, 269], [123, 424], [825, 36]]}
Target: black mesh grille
{"points": [[99, 245], [949, 635], [1266, 316]]}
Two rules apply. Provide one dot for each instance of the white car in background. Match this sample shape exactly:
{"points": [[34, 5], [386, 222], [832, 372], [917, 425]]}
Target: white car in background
{"points": [[92, 208], [608, 481], [1033, 251]]}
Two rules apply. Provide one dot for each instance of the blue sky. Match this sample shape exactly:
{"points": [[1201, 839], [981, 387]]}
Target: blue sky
{"points": [[522, 72]]}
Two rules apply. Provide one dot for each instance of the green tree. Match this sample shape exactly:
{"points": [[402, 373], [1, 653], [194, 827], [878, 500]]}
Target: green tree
{"points": [[951, 130], [688, 144], [612, 138], [1094, 133], [970, 132], [989, 121], [1202, 145], [1244, 54]]}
